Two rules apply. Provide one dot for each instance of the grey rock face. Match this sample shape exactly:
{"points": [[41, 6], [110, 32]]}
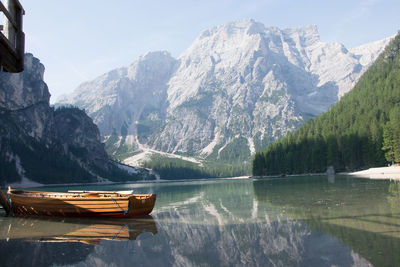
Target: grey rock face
{"points": [[43, 144], [26, 88], [123, 96], [239, 83], [80, 137], [26, 98]]}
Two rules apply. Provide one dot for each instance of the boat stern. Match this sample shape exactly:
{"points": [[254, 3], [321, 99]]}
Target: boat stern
{"points": [[140, 205]]}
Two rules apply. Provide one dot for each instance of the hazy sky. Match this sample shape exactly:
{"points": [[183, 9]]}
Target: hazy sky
{"points": [[78, 40]]}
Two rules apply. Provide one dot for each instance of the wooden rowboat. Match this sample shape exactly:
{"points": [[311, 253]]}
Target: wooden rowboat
{"points": [[80, 203], [71, 230]]}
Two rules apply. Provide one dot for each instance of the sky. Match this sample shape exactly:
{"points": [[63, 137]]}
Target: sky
{"points": [[78, 40]]}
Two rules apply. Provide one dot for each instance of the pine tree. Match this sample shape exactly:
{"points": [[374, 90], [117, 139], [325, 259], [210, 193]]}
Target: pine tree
{"points": [[388, 144], [395, 125]]}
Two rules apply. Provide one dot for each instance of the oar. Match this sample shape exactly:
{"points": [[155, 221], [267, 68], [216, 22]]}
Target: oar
{"points": [[129, 192]]}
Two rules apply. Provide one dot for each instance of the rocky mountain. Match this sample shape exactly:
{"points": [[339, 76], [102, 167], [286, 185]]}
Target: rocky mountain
{"points": [[359, 132], [237, 88], [44, 145]]}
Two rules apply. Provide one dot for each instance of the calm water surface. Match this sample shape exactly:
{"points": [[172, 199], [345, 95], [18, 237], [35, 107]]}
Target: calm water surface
{"points": [[303, 221]]}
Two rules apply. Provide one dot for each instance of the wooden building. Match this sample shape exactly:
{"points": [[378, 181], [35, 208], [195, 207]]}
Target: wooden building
{"points": [[12, 38]]}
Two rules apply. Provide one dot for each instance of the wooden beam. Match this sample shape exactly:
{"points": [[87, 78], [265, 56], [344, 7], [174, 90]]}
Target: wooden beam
{"points": [[12, 38], [18, 4], [8, 15], [8, 56]]}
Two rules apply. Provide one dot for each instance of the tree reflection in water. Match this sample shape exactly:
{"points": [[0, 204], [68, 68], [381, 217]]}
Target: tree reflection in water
{"points": [[363, 214], [287, 222]]}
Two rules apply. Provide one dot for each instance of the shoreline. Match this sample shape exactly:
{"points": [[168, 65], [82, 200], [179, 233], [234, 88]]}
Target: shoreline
{"points": [[290, 175], [376, 173], [31, 184]]}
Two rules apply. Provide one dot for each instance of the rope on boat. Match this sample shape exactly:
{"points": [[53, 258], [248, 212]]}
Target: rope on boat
{"points": [[124, 211], [123, 226]]}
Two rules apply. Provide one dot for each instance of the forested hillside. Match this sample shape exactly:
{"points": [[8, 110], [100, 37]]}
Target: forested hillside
{"points": [[362, 130], [173, 168]]}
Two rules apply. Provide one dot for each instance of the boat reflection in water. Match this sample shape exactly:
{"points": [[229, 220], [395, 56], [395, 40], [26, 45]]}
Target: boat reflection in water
{"points": [[302, 221], [88, 231]]}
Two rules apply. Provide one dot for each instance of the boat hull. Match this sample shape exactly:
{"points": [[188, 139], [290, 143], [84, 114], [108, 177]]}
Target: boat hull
{"points": [[81, 205]]}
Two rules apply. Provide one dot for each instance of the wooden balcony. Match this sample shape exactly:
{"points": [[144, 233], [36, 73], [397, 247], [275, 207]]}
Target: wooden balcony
{"points": [[12, 38]]}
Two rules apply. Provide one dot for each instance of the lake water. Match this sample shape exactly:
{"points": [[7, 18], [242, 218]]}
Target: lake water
{"points": [[302, 221]]}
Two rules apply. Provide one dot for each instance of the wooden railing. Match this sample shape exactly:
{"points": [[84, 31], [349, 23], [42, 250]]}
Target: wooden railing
{"points": [[12, 38]]}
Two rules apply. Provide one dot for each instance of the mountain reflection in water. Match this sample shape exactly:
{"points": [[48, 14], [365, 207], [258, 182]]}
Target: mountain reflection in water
{"points": [[363, 214], [310, 221]]}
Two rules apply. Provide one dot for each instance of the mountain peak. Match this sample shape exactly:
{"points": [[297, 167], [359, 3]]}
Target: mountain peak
{"points": [[240, 84], [154, 55], [251, 27], [307, 35], [248, 26], [243, 26]]}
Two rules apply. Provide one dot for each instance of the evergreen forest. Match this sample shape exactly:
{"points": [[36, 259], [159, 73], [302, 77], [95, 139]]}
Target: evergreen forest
{"points": [[362, 130], [175, 169]]}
